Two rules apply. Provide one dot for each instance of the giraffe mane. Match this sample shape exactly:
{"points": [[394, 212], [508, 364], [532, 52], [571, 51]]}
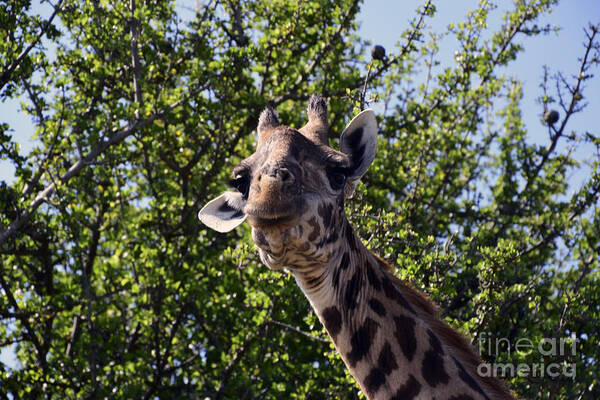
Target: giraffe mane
{"points": [[460, 346]]}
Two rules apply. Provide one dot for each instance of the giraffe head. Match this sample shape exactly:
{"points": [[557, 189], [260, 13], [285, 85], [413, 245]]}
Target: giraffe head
{"points": [[292, 189]]}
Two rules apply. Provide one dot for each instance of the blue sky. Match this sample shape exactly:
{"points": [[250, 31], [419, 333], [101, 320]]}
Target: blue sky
{"points": [[382, 23]]}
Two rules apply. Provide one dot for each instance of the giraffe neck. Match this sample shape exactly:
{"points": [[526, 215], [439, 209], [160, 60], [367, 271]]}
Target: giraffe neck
{"points": [[387, 333]]}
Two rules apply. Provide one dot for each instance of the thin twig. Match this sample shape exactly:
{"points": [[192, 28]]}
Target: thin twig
{"points": [[297, 330], [291, 93], [4, 78], [364, 89], [31, 334], [135, 61]]}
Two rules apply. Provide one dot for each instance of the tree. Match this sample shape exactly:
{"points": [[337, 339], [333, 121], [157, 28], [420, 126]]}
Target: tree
{"points": [[112, 288]]}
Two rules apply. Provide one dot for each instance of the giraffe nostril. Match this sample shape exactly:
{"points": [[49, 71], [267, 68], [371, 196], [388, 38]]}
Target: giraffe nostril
{"points": [[282, 175], [285, 175]]}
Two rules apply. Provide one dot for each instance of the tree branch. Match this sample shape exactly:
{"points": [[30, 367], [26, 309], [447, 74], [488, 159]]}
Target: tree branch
{"points": [[576, 96], [135, 60], [297, 330], [6, 74], [116, 138], [291, 93], [31, 335]]}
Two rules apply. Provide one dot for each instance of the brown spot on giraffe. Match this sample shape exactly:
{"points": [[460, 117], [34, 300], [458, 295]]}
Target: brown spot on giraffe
{"points": [[409, 390], [392, 292], [374, 380], [373, 278], [405, 335], [352, 291], [325, 212], [433, 369], [343, 265], [332, 320], [316, 229], [378, 307], [387, 360], [362, 340]]}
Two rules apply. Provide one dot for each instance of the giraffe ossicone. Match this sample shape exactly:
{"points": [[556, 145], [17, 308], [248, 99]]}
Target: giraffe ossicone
{"points": [[292, 191]]}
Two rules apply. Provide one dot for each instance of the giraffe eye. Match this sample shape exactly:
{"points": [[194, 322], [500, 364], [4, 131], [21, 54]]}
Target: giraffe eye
{"points": [[337, 178], [241, 183]]}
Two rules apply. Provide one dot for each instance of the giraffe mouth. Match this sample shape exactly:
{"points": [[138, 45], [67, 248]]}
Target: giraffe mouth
{"points": [[273, 216], [266, 222]]}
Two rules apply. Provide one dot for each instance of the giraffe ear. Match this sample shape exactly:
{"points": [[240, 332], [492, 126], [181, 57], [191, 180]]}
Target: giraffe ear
{"points": [[359, 142], [224, 213]]}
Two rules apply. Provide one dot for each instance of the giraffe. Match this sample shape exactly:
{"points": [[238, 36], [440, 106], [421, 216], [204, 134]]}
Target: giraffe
{"points": [[292, 191]]}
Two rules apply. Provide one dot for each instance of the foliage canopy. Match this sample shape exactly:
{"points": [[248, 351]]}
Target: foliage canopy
{"points": [[112, 289]]}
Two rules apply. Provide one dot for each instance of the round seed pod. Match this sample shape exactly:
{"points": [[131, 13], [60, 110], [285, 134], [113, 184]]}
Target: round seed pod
{"points": [[551, 117], [378, 52]]}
